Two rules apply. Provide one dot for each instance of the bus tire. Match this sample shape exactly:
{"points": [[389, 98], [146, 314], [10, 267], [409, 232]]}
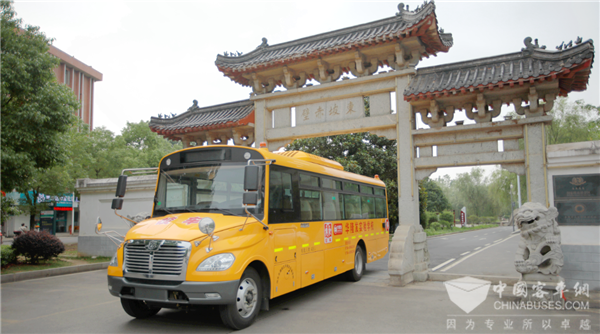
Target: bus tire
{"points": [[356, 273], [243, 312], [138, 309]]}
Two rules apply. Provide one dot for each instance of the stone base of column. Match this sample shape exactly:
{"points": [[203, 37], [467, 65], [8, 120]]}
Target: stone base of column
{"points": [[409, 257], [421, 273]]}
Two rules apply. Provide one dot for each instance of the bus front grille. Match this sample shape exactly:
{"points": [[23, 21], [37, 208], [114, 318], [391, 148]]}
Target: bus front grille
{"points": [[156, 259]]}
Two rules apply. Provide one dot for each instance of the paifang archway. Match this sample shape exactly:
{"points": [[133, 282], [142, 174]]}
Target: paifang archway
{"points": [[335, 106]]}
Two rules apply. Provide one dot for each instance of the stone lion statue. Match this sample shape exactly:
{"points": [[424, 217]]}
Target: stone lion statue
{"points": [[539, 249]]}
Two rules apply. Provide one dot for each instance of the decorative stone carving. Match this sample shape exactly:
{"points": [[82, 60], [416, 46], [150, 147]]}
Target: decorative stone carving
{"points": [[483, 113], [324, 73], [529, 47], [539, 249], [290, 80], [436, 117], [534, 109], [260, 87], [360, 67]]}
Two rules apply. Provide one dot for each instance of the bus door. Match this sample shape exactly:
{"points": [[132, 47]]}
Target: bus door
{"points": [[282, 201]]}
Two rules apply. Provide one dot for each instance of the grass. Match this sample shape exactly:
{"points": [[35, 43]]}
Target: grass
{"points": [[69, 257], [431, 232]]}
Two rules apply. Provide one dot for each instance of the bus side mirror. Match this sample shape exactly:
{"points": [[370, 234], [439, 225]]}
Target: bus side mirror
{"points": [[121, 186], [251, 178], [117, 204], [250, 199]]}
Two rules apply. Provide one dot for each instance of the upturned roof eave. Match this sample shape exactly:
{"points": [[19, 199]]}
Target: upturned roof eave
{"points": [[538, 54]]}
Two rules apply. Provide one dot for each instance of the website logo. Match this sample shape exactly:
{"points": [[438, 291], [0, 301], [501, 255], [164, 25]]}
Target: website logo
{"points": [[467, 292]]}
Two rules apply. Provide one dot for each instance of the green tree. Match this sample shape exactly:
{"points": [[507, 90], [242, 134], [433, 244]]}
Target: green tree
{"points": [[471, 190], [436, 199], [499, 189], [36, 109], [573, 122], [140, 147], [360, 153]]}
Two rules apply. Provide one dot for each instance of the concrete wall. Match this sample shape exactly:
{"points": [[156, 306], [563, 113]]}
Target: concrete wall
{"points": [[14, 224], [580, 244], [96, 199]]}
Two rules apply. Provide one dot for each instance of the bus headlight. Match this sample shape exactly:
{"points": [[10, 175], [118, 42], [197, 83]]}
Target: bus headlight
{"points": [[114, 262], [217, 262]]}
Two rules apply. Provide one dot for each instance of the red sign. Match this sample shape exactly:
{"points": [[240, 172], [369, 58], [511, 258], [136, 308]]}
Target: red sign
{"points": [[463, 218], [193, 220], [387, 225], [338, 229], [328, 233], [165, 221]]}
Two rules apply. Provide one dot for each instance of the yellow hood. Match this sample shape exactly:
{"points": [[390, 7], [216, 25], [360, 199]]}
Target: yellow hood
{"points": [[181, 226]]}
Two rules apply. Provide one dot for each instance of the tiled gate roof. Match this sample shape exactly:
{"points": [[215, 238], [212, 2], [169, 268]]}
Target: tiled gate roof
{"points": [[571, 66], [195, 119]]}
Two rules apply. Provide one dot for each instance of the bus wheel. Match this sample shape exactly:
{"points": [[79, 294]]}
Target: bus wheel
{"points": [[138, 309], [355, 274], [242, 313]]}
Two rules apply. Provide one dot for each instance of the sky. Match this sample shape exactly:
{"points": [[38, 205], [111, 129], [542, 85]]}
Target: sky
{"points": [[157, 57]]}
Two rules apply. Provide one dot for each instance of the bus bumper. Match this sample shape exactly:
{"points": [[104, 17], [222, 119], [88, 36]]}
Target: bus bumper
{"points": [[180, 293]]}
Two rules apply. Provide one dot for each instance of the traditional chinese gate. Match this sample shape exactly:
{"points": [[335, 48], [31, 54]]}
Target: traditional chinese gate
{"points": [[335, 106]]}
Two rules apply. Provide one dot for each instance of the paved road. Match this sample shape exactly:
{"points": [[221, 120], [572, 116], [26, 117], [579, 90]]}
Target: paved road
{"points": [[80, 303], [445, 250]]}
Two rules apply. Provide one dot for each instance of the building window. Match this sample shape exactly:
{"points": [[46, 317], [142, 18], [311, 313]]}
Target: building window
{"points": [[67, 77]]}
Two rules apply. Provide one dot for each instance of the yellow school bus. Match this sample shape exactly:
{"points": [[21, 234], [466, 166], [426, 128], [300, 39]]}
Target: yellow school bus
{"points": [[237, 226]]}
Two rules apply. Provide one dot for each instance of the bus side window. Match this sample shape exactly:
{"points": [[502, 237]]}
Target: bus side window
{"points": [[275, 190], [280, 191], [332, 209], [368, 206], [310, 205], [352, 206], [380, 207]]}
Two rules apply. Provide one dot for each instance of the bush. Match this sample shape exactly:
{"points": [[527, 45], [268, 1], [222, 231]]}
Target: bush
{"points": [[431, 217], [473, 219], [436, 226], [8, 255], [36, 246], [446, 224], [447, 216]]}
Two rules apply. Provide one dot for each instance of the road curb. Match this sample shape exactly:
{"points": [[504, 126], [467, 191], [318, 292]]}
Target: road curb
{"points": [[8, 278], [442, 277]]}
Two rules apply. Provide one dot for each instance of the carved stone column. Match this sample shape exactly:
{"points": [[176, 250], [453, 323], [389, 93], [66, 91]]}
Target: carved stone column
{"points": [[409, 257], [535, 163], [260, 119]]}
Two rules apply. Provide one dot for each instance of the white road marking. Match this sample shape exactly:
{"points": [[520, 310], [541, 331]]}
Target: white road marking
{"points": [[485, 234], [487, 244], [468, 256], [443, 264], [497, 240], [444, 238], [465, 253], [461, 239]]}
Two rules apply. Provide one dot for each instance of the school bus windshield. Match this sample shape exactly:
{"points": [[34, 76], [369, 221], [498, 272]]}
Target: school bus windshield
{"points": [[204, 188]]}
